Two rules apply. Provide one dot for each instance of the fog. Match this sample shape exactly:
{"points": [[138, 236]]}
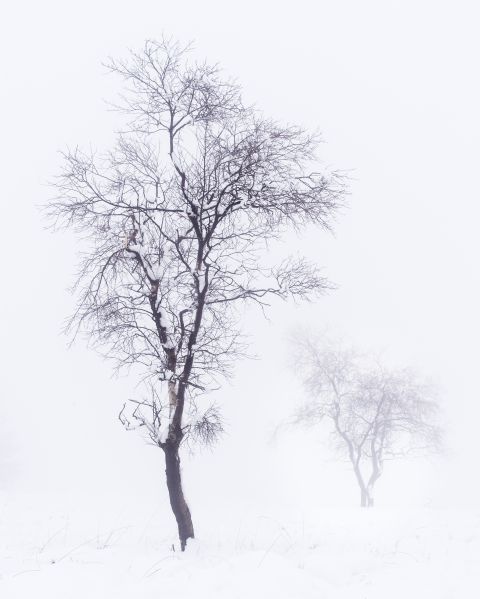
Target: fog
{"points": [[393, 88]]}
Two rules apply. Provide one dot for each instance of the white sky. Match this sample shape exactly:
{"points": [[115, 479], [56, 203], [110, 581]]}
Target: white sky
{"points": [[394, 88]]}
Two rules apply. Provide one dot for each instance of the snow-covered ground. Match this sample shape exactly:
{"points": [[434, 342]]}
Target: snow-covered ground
{"points": [[337, 553], [84, 513]]}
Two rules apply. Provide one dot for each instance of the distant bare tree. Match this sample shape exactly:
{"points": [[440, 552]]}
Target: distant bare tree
{"points": [[376, 414], [176, 219]]}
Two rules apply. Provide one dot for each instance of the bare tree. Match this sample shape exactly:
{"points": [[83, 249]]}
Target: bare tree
{"points": [[176, 219], [376, 414]]}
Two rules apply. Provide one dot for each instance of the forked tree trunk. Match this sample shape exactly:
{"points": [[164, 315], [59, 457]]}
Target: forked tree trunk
{"points": [[177, 499], [366, 497]]}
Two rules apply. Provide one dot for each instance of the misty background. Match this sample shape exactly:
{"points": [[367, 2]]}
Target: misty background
{"points": [[393, 87]]}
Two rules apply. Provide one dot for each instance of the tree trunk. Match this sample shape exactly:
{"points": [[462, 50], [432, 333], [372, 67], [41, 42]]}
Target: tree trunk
{"points": [[363, 498], [366, 497], [177, 500]]}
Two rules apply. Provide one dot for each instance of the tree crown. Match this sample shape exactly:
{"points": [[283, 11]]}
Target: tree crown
{"points": [[177, 216]]}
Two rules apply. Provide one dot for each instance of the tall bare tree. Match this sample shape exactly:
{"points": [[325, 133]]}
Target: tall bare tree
{"points": [[176, 219], [376, 414]]}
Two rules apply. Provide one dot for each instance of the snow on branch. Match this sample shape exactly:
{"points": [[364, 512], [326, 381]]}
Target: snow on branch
{"points": [[175, 221]]}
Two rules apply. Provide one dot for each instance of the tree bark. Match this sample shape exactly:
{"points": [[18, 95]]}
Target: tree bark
{"points": [[175, 491]]}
